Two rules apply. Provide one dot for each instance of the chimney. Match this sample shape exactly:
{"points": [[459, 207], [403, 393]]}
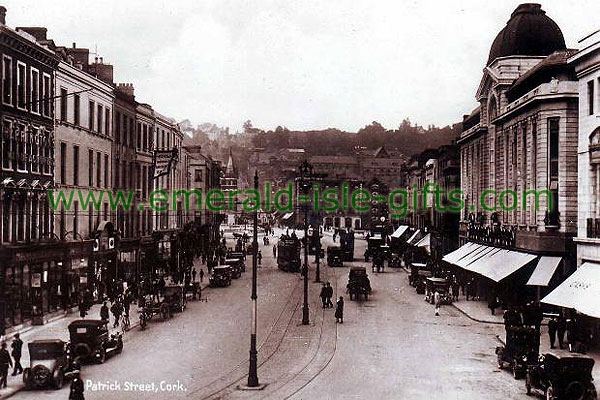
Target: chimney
{"points": [[126, 88], [74, 45], [102, 71], [2, 15]]}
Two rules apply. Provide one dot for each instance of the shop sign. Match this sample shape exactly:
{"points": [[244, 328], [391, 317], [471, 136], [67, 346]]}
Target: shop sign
{"points": [[36, 280]]}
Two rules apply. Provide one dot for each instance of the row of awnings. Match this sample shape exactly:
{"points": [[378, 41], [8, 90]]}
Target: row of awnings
{"points": [[580, 291], [497, 264], [399, 232]]}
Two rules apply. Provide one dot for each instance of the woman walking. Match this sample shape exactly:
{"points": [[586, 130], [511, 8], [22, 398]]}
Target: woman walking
{"points": [[339, 311]]}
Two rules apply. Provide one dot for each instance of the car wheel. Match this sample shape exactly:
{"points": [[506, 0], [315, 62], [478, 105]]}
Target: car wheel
{"points": [[550, 393], [102, 356]]}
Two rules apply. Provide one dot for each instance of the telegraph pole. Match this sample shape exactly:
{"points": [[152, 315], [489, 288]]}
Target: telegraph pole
{"points": [[253, 373], [305, 170]]}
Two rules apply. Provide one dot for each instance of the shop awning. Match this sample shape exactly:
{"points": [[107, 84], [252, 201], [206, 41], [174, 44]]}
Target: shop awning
{"points": [[398, 232], [544, 271], [414, 238], [288, 215], [580, 291], [425, 242], [492, 262], [460, 252]]}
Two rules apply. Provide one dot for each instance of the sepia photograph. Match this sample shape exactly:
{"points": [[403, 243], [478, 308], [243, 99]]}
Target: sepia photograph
{"points": [[304, 200]]}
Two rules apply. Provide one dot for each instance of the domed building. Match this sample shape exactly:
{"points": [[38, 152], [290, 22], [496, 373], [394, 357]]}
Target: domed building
{"points": [[519, 148]]}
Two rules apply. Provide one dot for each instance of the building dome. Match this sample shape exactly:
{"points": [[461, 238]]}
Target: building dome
{"points": [[528, 32]]}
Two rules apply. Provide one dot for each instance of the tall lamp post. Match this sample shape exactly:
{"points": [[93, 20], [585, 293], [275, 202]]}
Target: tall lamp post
{"points": [[305, 173], [318, 256], [253, 374]]}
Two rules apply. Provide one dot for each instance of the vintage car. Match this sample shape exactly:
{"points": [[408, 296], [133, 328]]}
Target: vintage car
{"points": [[334, 253], [221, 276], [378, 261], [358, 283], [90, 340], [521, 351], [237, 266], [420, 281], [395, 261], [440, 285], [288, 254], [49, 364], [174, 296], [373, 245], [562, 376], [238, 254]]}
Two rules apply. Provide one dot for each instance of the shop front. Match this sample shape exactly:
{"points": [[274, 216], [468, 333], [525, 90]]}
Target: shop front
{"points": [[128, 260], [102, 276], [33, 284]]}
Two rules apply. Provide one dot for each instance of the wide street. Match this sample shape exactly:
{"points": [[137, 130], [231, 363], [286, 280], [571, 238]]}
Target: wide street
{"points": [[390, 347]]}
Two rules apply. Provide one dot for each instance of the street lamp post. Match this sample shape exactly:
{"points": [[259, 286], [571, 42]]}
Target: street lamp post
{"points": [[253, 373], [305, 172], [318, 256]]}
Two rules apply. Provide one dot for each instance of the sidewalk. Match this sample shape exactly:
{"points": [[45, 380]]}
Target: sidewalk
{"points": [[478, 311], [57, 329]]}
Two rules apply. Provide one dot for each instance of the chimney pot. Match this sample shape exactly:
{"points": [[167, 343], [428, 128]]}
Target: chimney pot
{"points": [[2, 15], [74, 45]]}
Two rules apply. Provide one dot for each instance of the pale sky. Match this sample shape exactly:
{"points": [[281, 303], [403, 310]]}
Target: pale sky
{"points": [[301, 64]]}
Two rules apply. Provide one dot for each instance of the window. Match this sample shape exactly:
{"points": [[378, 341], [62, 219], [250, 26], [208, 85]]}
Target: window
{"points": [[47, 95], [63, 104], [75, 165], [76, 109], [143, 142], [117, 127], [99, 169], [139, 135], [117, 175], [106, 170], [91, 167], [35, 91], [75, 219], [7, 80], [107, 122], [48, 151], [21, 82], [91, 115], [35, 150], [198, 177], [63, 163], [590, 89], [7, 149], [553, 169], [100, 115], [21, 146]]}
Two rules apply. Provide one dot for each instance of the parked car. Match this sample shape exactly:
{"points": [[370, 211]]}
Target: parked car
{"points": [[521, 350], [221, 276], [48, 364], [237, 266], [358, 283], [562, 376], [440, 285], [90, 340]]}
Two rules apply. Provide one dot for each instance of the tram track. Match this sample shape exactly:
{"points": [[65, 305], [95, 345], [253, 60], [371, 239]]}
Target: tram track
{"points": [[227, 377]]}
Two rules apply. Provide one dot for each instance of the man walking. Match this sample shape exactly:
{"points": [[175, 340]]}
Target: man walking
{"points": [[104, 312], [17, 348], [201, 275], [5, 363], [437, 300], [194, 275], [116, 311], [339, 311], [259, 257], [552, 327], [561, 327], [329, 295], [323, 295]]}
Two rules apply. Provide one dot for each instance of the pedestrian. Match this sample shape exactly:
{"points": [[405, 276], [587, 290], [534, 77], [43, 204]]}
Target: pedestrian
{"points": [[323, 296], [201, 275], [5, 363], [259, 257], [77, 387], [17, 348], [82, 308], [194, 275], [455, 289], [437, 300], [571, 334], [329, 295], [116, 311], [561, 327], [339, 311], [104, 312], [274, 251], [552, 327]]}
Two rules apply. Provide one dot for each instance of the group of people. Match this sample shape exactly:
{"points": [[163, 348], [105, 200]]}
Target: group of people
{"points": [[326, 295], [119, 309]]}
